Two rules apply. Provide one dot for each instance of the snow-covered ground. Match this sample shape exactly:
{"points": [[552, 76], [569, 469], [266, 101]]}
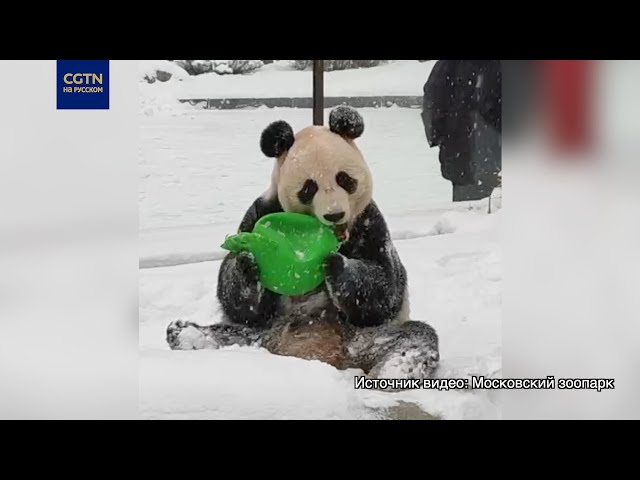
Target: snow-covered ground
{"points": [[200, 170], [455, 284]]}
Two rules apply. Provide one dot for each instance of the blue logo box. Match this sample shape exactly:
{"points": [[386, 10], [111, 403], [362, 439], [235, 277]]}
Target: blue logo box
{"points": [[82, 85]]}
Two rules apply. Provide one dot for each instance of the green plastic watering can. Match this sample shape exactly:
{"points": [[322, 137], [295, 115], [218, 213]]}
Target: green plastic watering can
{"points": [[289, 249]]}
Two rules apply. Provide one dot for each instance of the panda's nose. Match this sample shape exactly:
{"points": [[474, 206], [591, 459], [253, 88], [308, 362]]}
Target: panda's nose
{"points": [[334, 217]]}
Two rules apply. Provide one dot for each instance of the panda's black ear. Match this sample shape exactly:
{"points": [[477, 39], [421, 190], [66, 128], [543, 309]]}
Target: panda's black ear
{"points": [[276, 139], [346, 121]]}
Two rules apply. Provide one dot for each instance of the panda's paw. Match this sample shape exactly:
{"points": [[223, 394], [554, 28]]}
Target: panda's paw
{"points": [[174, 331], [247, 266], [337, 279], [183, 335], [409, 364], [335, 265]]}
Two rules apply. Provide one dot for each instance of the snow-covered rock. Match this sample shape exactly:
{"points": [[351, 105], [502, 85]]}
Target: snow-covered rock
{"points": [[161, 70]]}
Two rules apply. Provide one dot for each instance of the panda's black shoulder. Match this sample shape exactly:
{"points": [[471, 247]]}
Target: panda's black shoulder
{"points": [[259, 208], [373, 222]]}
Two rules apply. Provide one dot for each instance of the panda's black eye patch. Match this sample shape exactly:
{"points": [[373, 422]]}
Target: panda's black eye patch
{"points": [[308, 190], [347, 182]]}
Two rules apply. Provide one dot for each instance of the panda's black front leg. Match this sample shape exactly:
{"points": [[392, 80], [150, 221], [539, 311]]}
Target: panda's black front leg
{"points": [[360, 289], [243, 299]]}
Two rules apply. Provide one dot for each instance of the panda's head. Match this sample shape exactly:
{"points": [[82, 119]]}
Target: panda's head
{"points": [[320, 170]]}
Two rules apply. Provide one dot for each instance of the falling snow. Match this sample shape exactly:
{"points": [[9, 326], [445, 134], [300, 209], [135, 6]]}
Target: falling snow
{"points": [[453, 271]]}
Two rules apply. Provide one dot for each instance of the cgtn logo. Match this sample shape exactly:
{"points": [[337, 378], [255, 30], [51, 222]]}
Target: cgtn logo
{"points": [[83, 85], [83, 79]]}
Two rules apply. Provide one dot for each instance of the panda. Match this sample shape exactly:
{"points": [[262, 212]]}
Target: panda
{"points": [[360, 316]]}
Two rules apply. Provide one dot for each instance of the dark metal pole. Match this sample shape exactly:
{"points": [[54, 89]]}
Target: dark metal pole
{"points": [[318, 92]]}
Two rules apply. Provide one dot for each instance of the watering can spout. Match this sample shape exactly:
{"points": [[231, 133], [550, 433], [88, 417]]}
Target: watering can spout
{"points": [[248, 242]]}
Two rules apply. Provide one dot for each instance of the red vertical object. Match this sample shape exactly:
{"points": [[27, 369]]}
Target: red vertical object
{"points": [[567, 91]]}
